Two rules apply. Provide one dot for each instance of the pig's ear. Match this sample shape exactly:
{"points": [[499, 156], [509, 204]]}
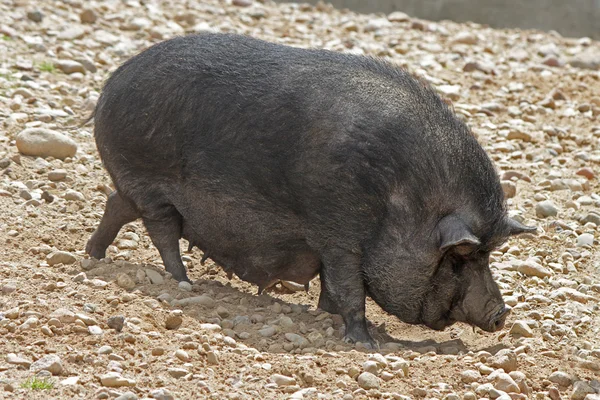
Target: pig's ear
{"points": [[454, 232], [516, 228]]}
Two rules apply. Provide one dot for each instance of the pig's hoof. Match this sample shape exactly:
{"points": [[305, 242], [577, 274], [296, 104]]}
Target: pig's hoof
{"points": [[180, 277], [362, 336], [368, 344], [93, 251]]}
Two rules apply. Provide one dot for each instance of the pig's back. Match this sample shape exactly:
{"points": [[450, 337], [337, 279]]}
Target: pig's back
{"points": [[285, 123]]}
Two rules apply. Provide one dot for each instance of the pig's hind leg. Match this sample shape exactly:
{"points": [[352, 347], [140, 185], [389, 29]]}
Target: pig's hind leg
{"points": [[164, 229], [117, 213]]}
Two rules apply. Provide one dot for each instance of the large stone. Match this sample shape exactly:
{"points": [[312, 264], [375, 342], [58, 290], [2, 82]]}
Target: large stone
{"points": [[177, 372], [505, 359], [114, 379], [520, 328], [60, 257], [50, 363], [506, 384], [533, 268], [71, 33], [585, 239], [40, 142], [282, 380], [470, 376], [545, 209], [580, 390], [63, 315], [367, 381], [116, 322], [12, 358], [70, 66], [561, 378]]}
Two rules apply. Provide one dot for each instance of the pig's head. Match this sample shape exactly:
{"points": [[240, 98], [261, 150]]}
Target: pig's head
{"points": [[446, 279]]}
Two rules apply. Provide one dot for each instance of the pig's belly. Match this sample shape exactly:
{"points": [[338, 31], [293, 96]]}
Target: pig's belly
{"points": [[264, 265], [259, 246], [264, 270]]}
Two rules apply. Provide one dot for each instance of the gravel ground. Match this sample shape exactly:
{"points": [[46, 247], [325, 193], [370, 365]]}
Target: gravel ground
{"points": [[122, 328]]}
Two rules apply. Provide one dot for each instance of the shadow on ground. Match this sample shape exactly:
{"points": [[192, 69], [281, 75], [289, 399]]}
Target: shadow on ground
{"points": [[278, 320]]}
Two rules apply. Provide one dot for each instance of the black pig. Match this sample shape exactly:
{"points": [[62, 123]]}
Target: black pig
{"points": [[282, 163]]}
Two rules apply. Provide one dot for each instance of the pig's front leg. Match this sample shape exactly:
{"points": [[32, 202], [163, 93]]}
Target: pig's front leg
{"points": [[343, 292]]}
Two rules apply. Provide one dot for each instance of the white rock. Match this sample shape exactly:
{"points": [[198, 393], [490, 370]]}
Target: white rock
{"points": [[71, 33], [521, 328], [506, 384], [86, 319], [60, 257], [184, 286], [95, 330], [212, 357], [177, 372], [70, 381], [182, 355], [533, 268], [70, 66], [57, 175], [105, 350], [42, 142], [50, 363], [400, 365], [367, 381], [370, 366], [585, 239], [545, 209], [210, 327], [114, 379], [29, 323], [12, 358], [98, 283], [505, 359], [470, 376], [63, 315], [74, 195], [282, 380]]}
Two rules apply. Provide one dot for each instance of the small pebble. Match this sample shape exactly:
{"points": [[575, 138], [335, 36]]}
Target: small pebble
{"points": [[116, 322]]}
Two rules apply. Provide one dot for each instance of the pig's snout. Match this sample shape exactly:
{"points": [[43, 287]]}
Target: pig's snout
{"points": [[498, 319]]}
